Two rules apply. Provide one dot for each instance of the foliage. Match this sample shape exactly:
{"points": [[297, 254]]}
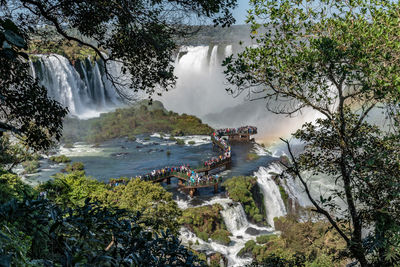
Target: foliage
{"points": [[191, 142], [60, 159], [12, 187], [75, 166], [138, 119], [262, 239], [30, 166], [180, 142], [300, 244], [284, 194], [156, 205], [158, 210], [243, 189], [252, 156], [206, 222], [12, 153], [37, 233], [221, 236], [341, 59], [68, 49], [72, 189]]}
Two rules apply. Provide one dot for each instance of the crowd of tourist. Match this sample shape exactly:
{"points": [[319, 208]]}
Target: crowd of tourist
{"points": [[194, 178], [240, 130]]}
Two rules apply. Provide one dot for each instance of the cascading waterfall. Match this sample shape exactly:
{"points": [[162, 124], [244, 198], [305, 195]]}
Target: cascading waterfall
{"points": [[82, 88], [234, 218], [228, 50], [199, 88], [214, 59], [274, 205], [62, 81]]}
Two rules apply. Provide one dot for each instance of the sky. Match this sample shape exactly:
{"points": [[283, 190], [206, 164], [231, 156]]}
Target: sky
{"points": [[240, 12]]}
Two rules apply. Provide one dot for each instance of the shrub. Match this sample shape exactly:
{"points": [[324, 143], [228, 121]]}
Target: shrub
{"points": [[60, 159], [30, 166], [180, 142], [262, 239], [76, 166], [131, 138], [241, 189], [191, 142], [221, 236]]}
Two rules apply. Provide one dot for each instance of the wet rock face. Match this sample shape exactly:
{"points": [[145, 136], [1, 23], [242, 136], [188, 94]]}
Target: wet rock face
{"points": [[252, 231]]}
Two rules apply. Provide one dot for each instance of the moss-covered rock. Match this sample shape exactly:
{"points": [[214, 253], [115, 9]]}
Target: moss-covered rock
{"points": [[206, 222], [76, 166], [244, 189], [221, 236], [60, 159], [252, 156], [180, 142]]}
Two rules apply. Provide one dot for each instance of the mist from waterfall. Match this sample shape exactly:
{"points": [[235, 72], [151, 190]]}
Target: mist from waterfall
{"points": [[200, 90]]}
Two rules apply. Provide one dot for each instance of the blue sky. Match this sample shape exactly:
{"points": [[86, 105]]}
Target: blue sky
{"points": [[240, 12]]}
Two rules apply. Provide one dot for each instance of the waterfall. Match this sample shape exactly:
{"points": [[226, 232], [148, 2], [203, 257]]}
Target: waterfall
{"points": [[274, 205], [200, 85], [234, 218], [214, 58], [195, 59], [228, 50], [82, 88], [62, 82]]}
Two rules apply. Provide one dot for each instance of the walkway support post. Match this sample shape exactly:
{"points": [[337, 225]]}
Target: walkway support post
{"points": [[216, 188], [192, 191]]}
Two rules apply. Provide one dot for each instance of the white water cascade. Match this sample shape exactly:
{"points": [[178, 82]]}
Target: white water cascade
{"points": [[201, 82], [234, 218], [82, 88], [274, 205]]}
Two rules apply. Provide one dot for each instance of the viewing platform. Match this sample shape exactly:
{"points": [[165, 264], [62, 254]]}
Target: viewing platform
{"points": [[242, 134], [192, 179]]}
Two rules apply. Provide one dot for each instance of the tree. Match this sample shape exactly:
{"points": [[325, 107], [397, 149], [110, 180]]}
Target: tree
{"points": [[38, 233], [340, 58], [158, 208]]}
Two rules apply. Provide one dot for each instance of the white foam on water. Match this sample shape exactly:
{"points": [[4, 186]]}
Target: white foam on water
{"points": [[259, 150], [80, 149]]}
